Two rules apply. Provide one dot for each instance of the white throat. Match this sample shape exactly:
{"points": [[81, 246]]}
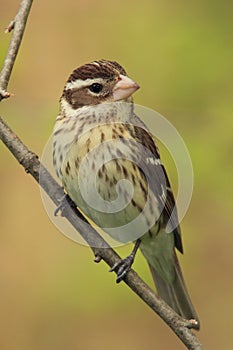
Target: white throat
{"points": [[119, 111]]}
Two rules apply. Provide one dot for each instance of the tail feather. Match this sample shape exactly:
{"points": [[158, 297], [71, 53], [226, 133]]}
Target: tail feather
{"points": [[175, 293]]}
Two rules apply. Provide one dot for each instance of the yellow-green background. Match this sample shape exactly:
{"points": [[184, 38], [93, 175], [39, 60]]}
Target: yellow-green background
{"points": [[52, 295]]}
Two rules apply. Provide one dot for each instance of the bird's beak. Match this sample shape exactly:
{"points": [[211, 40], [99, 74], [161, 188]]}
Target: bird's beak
{"points": [[124, 88]]}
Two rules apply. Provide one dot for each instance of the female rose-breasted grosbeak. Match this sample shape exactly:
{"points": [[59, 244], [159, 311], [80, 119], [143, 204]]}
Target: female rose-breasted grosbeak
{"points": [[98, 136]]}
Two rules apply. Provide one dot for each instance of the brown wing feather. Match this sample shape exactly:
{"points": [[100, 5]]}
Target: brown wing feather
{"points": [[159, 178]]}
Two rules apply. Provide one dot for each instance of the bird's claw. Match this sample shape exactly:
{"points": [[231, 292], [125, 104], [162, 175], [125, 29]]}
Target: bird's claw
{"points": [[122, 267], [63, 203]]}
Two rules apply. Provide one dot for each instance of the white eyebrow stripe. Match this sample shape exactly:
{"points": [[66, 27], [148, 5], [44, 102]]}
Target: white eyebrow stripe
{"points": [[79, 83]]}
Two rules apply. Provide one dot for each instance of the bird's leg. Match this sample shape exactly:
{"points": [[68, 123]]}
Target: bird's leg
{"points": [[65, 200], [123, 266]]}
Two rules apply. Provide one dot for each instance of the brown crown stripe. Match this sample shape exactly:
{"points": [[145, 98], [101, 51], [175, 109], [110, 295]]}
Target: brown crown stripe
{"points": [[98, 69]]}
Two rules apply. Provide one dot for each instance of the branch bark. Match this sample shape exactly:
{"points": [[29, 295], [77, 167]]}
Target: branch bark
{"points": [[18, 24], [32, 165]]}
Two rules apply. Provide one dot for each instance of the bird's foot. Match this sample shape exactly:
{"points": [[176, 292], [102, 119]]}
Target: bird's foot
{"points": [[64, 202], [122, 267]]}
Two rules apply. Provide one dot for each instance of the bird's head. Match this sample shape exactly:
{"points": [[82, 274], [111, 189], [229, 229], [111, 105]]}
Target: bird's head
{"points": [[97, 82]]}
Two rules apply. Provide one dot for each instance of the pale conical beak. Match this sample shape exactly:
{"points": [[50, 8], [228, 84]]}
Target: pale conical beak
{"points": [[124, 88]]}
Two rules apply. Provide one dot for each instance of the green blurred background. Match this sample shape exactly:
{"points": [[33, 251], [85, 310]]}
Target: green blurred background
{"points": [[52, 295]]}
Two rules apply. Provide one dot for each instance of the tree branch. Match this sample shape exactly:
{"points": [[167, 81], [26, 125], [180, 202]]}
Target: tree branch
{"points": [[32, 165], [18, 24]]}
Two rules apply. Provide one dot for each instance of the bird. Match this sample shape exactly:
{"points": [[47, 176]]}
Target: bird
{"points": [[110, 167]]}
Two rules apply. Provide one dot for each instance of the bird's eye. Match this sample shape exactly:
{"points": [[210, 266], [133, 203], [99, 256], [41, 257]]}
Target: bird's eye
{"points": [[95, 87]]}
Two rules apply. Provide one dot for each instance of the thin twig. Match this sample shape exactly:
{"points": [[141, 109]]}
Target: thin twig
{"points": [[19, 26], [32, 165], [10, 26]]}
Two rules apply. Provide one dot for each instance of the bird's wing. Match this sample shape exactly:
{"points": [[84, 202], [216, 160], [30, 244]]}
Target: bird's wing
{"points": [[158, 179]]}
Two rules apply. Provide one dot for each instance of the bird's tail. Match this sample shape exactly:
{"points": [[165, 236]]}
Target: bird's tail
{"points": [[175, 293]]}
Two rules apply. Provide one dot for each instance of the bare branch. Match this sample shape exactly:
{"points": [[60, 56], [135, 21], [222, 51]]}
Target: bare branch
{"points": [[19, 26]]}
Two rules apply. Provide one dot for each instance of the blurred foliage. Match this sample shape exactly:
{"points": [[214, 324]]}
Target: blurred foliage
{"points": [[52, 294]]}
